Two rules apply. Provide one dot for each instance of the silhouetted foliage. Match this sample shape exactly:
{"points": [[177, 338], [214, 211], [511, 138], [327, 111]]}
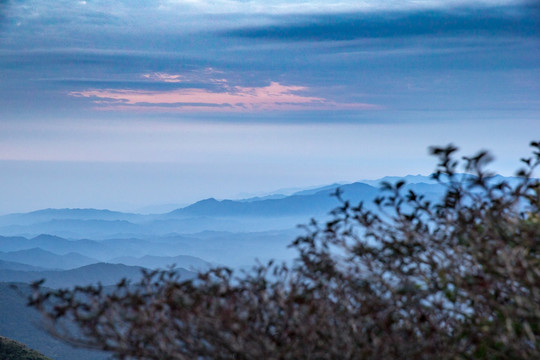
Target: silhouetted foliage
{"points": [[458, 278], [14, 350]]}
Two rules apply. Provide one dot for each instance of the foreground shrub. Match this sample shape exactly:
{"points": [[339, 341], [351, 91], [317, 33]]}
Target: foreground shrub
{"points": [[457, 278]]}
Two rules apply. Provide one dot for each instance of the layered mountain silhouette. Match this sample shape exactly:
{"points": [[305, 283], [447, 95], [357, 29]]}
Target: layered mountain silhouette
{"points": [[194, 251], [164, 262], [254, 214], [51, 243], [47, 259], [314, 203], [11, 265], [103, 273], [104, 235], [45, 215]]}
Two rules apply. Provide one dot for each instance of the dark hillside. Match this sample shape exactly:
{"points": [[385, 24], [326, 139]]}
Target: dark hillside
{"points": [[14, 350]]}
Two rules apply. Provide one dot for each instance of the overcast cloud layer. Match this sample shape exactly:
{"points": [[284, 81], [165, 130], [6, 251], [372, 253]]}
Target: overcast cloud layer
{"points": [[252, 92]]}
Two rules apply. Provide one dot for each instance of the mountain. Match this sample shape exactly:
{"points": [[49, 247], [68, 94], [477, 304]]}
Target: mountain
{"points": [[163, 262], [14, 350], [409, 179], [46, 215], [254, 214], [265, 213], [74, 227], [330, 188], [24, 324], [218, 247], [10, 265], [259, 198], [308, 204], [106, 274], [46, 259], [55, 244], [58, 245], [104, 251], [13, 243]]}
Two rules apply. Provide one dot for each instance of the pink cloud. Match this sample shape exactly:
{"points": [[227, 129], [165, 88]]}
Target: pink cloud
{"points": [[272, 97]]}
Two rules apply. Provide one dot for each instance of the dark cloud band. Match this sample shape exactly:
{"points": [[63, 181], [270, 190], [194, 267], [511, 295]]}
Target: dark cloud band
{"points": [[522, 20]]}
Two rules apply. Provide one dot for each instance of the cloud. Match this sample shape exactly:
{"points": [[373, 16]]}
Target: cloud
{"points": [[169, 78], [203, 76], [282, 7], [274, 96], [516, 20]]}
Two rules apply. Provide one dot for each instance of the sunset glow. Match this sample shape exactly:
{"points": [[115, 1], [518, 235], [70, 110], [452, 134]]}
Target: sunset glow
{"points": [[272, 97]]}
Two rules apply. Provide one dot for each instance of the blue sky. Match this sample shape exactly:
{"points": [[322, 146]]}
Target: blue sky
{"points": [[124, 104]]}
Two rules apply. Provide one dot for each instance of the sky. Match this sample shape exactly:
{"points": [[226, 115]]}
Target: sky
{"points": [[129, 103]]}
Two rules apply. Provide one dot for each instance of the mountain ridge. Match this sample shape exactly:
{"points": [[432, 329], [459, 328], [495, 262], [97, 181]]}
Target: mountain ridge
{"points": [[103, 273], [244, 215], [45, 259]]}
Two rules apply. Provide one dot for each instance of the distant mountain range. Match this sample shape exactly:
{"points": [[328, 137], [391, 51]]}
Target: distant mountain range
{"points": [[185, 251], [266, 213], [271, 212], [45, 241], [311, 202]]}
